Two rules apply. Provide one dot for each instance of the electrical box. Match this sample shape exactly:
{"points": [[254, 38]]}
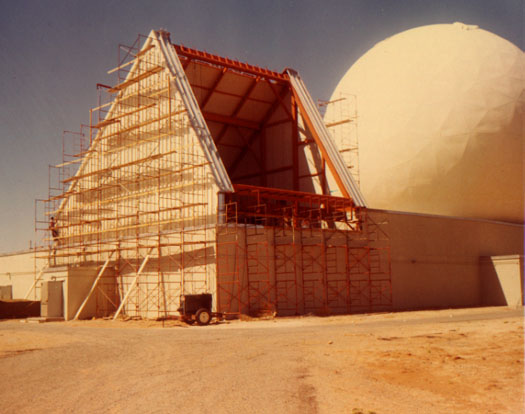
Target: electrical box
{"points": [[6, 292], [52, 302]]}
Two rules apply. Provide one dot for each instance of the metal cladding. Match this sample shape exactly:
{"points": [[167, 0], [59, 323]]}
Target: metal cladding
{"points": [[439, 118]]}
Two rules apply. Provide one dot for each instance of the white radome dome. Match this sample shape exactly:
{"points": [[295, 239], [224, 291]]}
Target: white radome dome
{"points": [[440, 121]]}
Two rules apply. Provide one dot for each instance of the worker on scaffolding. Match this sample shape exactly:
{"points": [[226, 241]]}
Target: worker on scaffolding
{"points": [[54, 233]]}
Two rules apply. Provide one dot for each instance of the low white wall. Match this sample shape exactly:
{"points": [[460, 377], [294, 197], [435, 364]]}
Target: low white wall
{"points": [[436, 259], [18, 270], [502, 280]]}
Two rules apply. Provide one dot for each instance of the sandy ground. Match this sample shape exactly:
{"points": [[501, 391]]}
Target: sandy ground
{"points": [[450, 361]]}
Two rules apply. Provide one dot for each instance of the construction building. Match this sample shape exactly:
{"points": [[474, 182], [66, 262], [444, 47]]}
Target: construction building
{"points": [[199, 173], [204, 174]]}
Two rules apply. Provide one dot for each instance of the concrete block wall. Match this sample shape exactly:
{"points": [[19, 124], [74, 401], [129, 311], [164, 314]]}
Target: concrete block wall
{"points": [[436, 262], [263, 269], [436, 259]]}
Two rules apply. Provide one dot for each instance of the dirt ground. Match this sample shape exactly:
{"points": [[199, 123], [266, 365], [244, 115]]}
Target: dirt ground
{"points": [[449, 361]]}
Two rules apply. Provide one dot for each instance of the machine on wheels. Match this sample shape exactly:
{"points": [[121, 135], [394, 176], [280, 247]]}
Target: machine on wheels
{"points": [[197, 308]]}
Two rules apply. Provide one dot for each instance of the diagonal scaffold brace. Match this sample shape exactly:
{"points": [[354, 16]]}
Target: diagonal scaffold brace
{"points": [[95, 283], [133, 285]]}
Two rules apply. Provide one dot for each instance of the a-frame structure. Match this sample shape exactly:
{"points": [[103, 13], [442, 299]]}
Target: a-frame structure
{"points": [[205, 174]]}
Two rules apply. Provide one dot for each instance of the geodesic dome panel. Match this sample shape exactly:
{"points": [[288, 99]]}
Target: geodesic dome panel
{"points": [[440, 122]]}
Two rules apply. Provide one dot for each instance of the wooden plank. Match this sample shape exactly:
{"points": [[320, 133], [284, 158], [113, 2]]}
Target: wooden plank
{"points": [[223, 119], [333, 124], [68, 163], [150, 121], [136, 79], [116, 118], [35, 281], [137, 56]]}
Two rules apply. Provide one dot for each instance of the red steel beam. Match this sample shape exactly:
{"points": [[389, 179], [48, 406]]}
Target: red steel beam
{"points": [[245, 97], [295, 144], [213, 87], [233, 95], [241, 103], [281, 101], [288, 194], [256, 156], [229, 120], [263, 178], [255, 134], [229, 63], [322, 149]]}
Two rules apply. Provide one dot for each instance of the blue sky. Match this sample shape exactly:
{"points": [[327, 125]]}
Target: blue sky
{"points": [[54, 52]]}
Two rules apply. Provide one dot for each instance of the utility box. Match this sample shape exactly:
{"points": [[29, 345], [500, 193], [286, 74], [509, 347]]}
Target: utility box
{"points": [[52, 302], [6, 292]]}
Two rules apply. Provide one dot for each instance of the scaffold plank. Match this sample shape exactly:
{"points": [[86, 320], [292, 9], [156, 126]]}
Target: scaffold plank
{"points": [[136, 79]]}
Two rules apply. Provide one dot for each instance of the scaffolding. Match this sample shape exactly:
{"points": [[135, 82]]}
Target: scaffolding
{"points": [[143, 205], [291, 253], [134, 186], [341, 119]]}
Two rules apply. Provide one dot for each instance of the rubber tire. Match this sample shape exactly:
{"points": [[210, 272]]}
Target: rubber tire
{"points": [[189, 321], [203, 316]]}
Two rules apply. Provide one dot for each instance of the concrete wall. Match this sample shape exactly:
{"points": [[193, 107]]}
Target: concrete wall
{"points": [[18, 270], [262, 269], [181, 270], [435, 263], [436, 260], [78, 285], [502, 280]]}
